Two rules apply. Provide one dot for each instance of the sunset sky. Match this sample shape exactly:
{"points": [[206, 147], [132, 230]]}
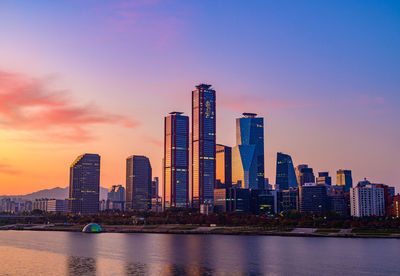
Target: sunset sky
{"points": [[99, 76]]}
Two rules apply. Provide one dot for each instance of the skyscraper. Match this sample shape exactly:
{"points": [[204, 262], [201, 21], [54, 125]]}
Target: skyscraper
{"points": [[304, 175], [154, 186], [313, 198], [367, 199], [324, 178], [84, 184], [285, 175], [176, 161], [344, 179], [138, 183], [224, 166], [248, 154], [203, 145]]}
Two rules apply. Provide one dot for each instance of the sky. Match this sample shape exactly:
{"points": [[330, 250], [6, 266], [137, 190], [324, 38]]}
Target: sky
{"points": [[99, 76]]}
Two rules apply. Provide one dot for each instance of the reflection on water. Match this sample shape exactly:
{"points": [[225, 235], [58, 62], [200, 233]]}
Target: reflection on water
{"points": [[78, 266], [64, 253]]}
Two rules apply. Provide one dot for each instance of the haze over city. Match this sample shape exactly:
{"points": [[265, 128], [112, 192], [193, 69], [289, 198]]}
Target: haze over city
{"points": [[100, 76]]}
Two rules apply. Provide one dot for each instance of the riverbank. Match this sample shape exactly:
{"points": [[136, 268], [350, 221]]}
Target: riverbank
{"points": [[216, 230]]}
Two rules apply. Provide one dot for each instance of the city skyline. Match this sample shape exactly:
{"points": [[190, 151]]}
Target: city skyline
{"points": [[329, 96]]}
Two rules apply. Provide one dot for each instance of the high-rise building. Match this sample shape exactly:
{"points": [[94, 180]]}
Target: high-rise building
{"points": [[154, 186], [203, 146], [138, 183], [396, 206], [313, 198], [344, 179], [115, 199], [248, 154], [324, 178], [367, 199], [176, 161], [304, 175], [224, 166], [285, 175], [288, 200], [84, 184], [232, 199]]}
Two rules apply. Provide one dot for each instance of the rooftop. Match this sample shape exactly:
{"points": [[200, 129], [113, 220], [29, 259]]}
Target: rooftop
{"points": [[249, 115]]}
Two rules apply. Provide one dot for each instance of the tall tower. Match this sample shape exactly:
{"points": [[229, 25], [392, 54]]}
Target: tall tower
{"points": [[223, 166], [345, 179], [176, 161], [304, 174], [203, 145], [138, 183], [285, 175], [84, 184], [248, 154]]}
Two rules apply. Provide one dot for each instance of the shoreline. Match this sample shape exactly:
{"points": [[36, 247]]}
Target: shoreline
{"points": [[204, 230]]}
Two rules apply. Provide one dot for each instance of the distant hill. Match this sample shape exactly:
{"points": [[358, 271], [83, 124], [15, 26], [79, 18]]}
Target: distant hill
{"points": [[57, 193]]}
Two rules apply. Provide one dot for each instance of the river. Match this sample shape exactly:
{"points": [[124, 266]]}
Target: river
{"points": [[73, 253]]}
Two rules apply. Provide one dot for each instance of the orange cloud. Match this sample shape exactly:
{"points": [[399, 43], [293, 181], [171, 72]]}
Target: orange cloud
{"points": [[28, 104], [7, 169]]}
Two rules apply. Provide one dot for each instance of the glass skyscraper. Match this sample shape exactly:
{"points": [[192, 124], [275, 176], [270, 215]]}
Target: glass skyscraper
{"points": [[223, 166], [138, 183], [84, 184], [345, 179], [248, 154], [176, 161], [285, 175], [203, 145], [304, 174]]}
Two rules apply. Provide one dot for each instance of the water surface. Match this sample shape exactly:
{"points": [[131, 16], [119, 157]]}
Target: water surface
{"points": [[73, 253]]}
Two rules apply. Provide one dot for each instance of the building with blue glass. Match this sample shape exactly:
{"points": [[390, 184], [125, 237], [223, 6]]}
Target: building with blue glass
{"points": [[84, 184], [248, 154], [176, 161], [203, 150], [285, 175], [138, 183]]}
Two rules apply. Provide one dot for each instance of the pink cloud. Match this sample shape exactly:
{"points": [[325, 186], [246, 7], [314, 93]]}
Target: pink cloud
{"points": [[7, 169], [28, 104]]}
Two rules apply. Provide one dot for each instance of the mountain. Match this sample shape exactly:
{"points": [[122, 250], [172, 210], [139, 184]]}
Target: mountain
{"points": [[57, 193]]}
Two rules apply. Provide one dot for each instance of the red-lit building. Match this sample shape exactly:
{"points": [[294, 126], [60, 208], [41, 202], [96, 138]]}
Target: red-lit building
{"points": [[396, 206]]}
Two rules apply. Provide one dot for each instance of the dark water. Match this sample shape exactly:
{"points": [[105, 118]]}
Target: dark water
{"points": [[63, 253]]}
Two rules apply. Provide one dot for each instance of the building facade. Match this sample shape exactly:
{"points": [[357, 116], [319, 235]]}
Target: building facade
{"points": [[313, 198], [176, 161], [344, 178], [304, 175], [84, 184], [223, 166], [324, 179], [116, 198], [285, 175], [203, 149], [367, 199], [248, 154], [138, 183]]}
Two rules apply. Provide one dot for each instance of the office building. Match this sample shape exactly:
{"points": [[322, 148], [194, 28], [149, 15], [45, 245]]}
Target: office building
{"points": [[223, 166], [154, 186], [176, 161], [264, 202], [367, 199], [304, 175], [313, 198], [288, 200], [203, 146], [285, 175], [248, 154], [339, 200], [396, 206], [138, 183], [345, 179], [84, 184], [232, 199], [116, 198], [324, 179]]}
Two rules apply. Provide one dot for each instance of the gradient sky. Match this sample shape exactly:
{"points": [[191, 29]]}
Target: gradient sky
{"points": [[99, 76]]}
